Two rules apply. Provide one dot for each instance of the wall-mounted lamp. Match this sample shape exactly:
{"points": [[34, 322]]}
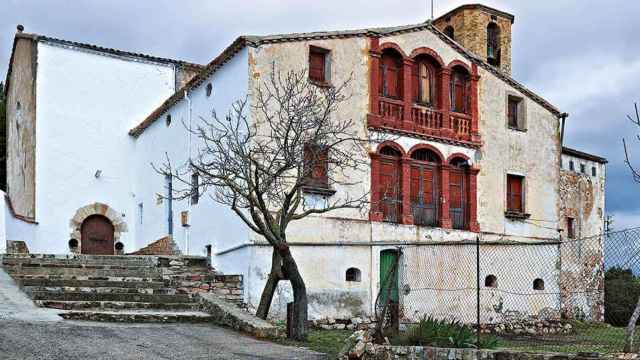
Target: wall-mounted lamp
{"points": [[98, 173]]}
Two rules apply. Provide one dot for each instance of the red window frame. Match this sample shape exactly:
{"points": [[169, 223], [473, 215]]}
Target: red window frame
{"points": [[515, 193], [318, 64], [316, 166]]}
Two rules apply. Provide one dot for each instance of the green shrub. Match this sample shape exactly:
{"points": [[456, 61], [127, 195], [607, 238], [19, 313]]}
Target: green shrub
{"points": [[442, 333], [621, 293]]}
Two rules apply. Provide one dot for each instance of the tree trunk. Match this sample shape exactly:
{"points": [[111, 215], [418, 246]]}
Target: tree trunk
{"points": [[300, 303], [631, 329], [275, 275]]}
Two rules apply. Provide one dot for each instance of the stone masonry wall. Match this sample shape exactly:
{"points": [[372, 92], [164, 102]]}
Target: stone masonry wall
{"points": [[190, 275], [470, 30]]}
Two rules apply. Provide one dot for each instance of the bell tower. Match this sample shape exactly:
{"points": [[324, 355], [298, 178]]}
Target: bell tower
{"points": [[482, 30]]}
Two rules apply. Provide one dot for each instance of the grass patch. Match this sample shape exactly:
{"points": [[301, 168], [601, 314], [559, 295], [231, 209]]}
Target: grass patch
{"points": [[587, 337], [325, 341]]}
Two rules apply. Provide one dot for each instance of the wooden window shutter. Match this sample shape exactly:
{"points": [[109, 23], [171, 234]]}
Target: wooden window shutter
{"points": [[316, 163], [513, 113], [317, 65], [514, 193], [415, 81]]}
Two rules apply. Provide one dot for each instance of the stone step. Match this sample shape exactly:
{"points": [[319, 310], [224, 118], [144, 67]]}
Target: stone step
{"points": [[139, 316], [21, 278], [41, 282], [99, 290], [49, 266], [114, 305], [141, 272], [81, 296], [78, 261]]}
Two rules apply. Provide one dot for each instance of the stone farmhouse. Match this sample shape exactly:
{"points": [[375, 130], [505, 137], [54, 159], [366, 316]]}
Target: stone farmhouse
{"points": [[474, 154]]}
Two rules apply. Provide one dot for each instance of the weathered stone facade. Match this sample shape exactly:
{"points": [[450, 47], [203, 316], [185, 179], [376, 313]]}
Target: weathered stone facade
{"points": [[21, 128]]}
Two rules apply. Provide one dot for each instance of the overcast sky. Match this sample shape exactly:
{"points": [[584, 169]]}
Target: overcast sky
{"points": [[581, 55]]}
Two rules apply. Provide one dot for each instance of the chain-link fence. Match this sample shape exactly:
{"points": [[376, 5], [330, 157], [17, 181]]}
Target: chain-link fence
{"points": [[573, 295]]}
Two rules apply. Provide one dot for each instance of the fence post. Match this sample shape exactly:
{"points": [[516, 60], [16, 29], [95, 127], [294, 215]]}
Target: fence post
{"points": [[478, 291]]}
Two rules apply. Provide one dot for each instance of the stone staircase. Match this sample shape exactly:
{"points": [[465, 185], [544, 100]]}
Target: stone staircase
{"points": [[121, 288]]}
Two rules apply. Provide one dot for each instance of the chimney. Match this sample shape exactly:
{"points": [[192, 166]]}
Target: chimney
{"points": [[482, 30]]}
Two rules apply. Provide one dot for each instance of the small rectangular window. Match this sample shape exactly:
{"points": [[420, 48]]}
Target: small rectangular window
{"points": [[141, 213], [515, 194], [319, 65], [572, 166], [316, 166], [571, 228], [195, 189], [593, 171], [515, 113], [583, 169]]}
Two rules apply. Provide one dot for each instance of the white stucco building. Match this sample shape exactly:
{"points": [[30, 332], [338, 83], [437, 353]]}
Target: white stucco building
{"points": [[86, 125]]}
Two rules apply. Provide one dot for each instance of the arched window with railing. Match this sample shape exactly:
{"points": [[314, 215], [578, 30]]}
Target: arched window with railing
{"points": [[425, 81], [389, 184], [425, 187], [458, 192], [460, 90], [391, 73]]}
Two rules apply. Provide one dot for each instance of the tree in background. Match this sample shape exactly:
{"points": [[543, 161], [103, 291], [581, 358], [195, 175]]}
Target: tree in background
{"points": [[633, 319], [627, 157], [264, 167]]}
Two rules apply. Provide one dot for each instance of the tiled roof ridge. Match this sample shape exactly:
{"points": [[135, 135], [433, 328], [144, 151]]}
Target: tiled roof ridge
{"points": [[98, 48], [255, 41], [584, 155]]}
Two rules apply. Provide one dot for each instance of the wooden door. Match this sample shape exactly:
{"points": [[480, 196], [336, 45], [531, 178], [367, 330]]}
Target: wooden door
{"points": [[424, 194], [390, 190], [97, 236], [389, 276], [457, 198]]}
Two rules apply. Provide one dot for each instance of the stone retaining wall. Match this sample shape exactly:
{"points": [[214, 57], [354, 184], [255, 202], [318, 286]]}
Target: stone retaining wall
{"points": [[360, 346], [190, 275]]}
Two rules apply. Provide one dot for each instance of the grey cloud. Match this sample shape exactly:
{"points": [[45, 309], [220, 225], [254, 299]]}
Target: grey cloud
{"points": [[562, 49]]}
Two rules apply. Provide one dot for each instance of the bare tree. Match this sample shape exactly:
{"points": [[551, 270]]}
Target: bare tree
{"points": [[627, 158], [631, 326], [263, 165]]}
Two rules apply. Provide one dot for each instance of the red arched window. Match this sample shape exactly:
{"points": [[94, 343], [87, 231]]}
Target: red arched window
{"points": [[458, 193], [389, 185], [424, 82], [425, 187], [460, 90], [391, 74]]}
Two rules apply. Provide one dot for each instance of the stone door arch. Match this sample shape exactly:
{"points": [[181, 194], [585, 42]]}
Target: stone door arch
{"points": [[96, 210]]}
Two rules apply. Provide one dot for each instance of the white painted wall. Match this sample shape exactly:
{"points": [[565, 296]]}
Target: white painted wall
{"points": [[86, 104], [211, 223]]}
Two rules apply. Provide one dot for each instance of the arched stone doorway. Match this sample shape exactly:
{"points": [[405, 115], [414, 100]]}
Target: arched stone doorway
{"points": [[96, 236], [98, 221]]}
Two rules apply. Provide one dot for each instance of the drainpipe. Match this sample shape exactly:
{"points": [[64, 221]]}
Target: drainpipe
{"points": [[563, 119], [187, 232]]}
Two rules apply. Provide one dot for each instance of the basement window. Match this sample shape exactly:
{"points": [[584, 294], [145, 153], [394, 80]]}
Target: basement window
{"points": [[571, 228], [319, 65], [538, 284], [353, 275], [491, 281]]}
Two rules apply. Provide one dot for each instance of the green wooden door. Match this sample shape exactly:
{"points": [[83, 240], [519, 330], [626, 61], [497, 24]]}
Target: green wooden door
{"points": [[388, 277]]}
